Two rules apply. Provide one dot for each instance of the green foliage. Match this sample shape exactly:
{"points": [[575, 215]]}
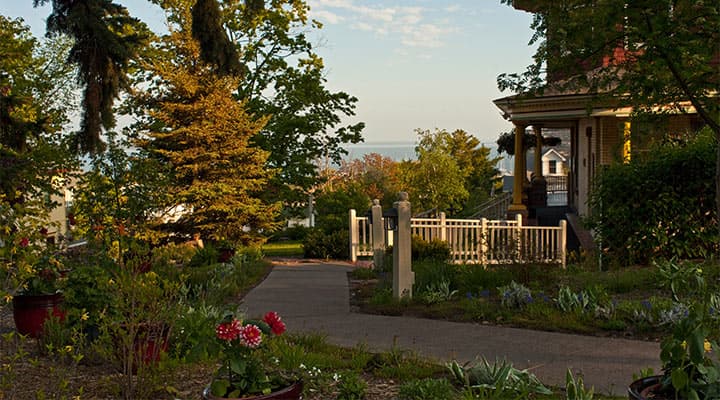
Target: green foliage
{"points": [[35, 88], [434, 182], [204, 257], [319, 244], [194, 332], [284, 78], [332, 206], [352, 387], [584, 300], [496, 380], [438, 389], [434, 250], [575, 388], [106, 38], [283, 249], [87, 289], [118, 201], [363, 273], [690, 368], [189, 120], [453, 172], [515, 295], [670, 211], [667, 58], [436, 292]]}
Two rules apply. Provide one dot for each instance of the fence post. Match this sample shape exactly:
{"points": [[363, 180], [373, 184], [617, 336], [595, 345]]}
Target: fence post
{"points": [[378, 234], [484, 241], [443, 227], [518, 221], [563, 243], [403, 276], [354, 236]]}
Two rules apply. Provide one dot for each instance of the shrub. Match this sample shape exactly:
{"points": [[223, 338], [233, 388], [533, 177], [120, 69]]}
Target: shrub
{"points": [[208, 255], [318, 244], [661, 206], [435, 249]]}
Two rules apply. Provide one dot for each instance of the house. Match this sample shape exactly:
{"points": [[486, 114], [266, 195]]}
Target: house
{"points": [[600, 134], [553, 163]]}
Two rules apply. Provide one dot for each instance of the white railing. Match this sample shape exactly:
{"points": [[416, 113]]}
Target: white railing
{"points": [[476, 241]]}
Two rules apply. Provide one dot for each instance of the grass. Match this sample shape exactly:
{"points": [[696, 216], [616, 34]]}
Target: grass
{"points": [[283, 249]]}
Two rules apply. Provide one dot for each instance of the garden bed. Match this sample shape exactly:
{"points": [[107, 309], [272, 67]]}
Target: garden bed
{"points": [[629, 302]]}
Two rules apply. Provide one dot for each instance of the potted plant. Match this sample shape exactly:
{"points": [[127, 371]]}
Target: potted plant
{"points": [[40, 297], [691, 369], [243, 374]]}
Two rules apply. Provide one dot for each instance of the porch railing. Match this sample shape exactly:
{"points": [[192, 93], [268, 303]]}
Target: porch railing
{"points": [[495, 208], [475, 241]]}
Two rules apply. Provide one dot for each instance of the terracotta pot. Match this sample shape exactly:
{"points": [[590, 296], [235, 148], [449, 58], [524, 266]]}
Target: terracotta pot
{"points": [[649, 388], [292, 392], [31, 311]]}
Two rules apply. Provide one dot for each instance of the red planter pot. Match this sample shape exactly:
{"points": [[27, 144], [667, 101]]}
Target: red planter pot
{"points": [[150, 341], [31, 311], [292, 392]]}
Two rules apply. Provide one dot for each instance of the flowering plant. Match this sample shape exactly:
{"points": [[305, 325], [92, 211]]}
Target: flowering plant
{"points": [[243, 371], [690, 369]]}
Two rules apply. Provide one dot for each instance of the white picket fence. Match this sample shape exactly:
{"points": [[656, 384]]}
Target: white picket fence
{"points": [[476, 241]]}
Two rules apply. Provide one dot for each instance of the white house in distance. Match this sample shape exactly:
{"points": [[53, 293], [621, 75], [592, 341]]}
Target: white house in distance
{"points": [[554, 163]]}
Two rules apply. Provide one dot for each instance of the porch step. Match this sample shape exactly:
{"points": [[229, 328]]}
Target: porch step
{"points": [[583, 235]]}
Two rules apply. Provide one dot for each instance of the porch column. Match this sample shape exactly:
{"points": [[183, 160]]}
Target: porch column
{"points": [[538, 152], [517, 206]]}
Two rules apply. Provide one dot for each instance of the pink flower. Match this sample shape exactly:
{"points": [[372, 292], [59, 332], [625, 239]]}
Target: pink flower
{"points": [[228, 330], [251, 336], [276, 325]]}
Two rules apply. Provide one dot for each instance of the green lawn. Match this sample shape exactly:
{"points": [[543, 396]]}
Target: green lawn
{"points": [[283, 249]]}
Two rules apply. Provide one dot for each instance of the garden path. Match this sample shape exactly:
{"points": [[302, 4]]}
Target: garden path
{"points": [[315, 298]]}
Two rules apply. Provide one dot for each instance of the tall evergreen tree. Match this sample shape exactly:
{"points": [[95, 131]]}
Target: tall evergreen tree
{"points": [[106, 38], [196, 125]]}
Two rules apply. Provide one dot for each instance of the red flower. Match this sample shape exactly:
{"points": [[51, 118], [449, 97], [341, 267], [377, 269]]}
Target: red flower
{"points": [[278, 328], [251, 336], [276, 325], [228, 330], [24, 242]]}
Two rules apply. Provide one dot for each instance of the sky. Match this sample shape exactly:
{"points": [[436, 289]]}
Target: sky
{"points": [[421, 64]]}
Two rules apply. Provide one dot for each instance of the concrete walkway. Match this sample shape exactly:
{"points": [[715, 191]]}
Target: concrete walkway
{"points": [[315, 298]]}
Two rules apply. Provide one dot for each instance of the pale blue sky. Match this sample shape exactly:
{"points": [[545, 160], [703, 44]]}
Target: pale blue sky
{"points": [[412, 64]]}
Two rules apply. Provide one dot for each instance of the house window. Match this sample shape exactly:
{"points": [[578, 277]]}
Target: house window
{"points": [[552, 166]]}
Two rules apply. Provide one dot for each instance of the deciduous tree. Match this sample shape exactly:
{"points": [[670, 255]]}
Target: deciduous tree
{"points": [[655, 55], [285, 79], [376, 174], [475, 166]]}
